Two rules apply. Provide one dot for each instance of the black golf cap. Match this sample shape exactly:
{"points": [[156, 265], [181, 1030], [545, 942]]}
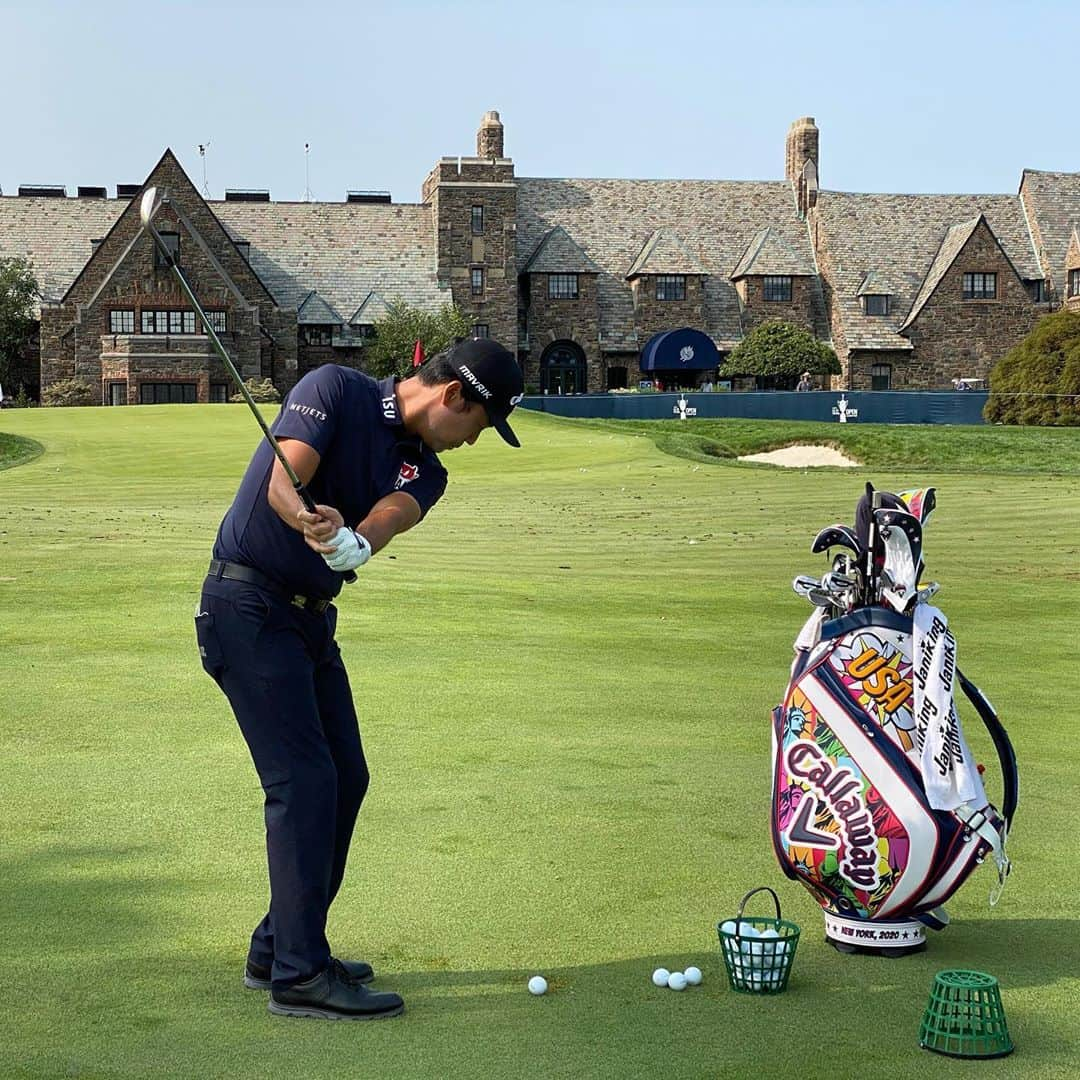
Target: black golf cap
{"points": [[490, 375]]}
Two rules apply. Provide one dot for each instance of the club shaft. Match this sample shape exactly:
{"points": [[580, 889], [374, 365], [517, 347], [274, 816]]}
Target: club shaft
{"points": [[290, 472]]}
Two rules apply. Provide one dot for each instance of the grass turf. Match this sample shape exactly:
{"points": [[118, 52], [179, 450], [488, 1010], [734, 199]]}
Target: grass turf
{"points": [[564, 679]]}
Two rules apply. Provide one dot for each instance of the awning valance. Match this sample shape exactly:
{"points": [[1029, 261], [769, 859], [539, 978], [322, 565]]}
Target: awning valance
{"points": [[679, 350]]}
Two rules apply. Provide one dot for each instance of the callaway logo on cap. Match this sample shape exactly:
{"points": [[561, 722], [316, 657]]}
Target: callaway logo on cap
{"points": [[490, 376]]}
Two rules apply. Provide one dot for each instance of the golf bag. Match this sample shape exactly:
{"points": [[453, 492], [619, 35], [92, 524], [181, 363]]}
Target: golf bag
{"points": [[878, 808]]}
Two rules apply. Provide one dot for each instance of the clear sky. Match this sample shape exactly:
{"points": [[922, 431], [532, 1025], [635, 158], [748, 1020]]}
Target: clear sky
{"points": [[909, 97]]}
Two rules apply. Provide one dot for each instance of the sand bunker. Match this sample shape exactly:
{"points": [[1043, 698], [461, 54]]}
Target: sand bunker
{"points": [[803, 457]]}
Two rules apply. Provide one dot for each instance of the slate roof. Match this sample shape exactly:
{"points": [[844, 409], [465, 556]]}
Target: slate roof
{"points": [[54, 235], [344, 251], [900, 237], [665, 253], [611, 221], [558, 254], [769, 254], [1055, 199], [951, 246], [315, 311]]}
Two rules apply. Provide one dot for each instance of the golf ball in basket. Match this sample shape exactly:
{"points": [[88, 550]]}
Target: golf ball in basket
{"points": [[538, 985], [728, 927], [693, 976], [660, 977], [677, 980]]}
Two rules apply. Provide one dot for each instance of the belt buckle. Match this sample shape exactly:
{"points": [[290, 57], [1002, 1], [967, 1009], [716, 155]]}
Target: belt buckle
{"points": [[299, 601]]}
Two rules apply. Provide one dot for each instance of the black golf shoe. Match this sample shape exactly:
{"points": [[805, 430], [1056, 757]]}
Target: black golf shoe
{"points": [[335, 995], [257, 977]]}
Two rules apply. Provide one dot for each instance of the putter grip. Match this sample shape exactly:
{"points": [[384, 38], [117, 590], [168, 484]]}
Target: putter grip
{"points": [[309, 506]]}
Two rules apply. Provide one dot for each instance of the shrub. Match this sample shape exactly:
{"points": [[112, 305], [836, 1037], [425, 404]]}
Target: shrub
{"points": [[69, 392], [780, 352], [1037, 382], [261, 390]]}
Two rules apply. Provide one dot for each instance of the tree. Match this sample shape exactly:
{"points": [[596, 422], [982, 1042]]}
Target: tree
{"points": [[780, 352], [391, 352], [18, 294], [1038, 380]]}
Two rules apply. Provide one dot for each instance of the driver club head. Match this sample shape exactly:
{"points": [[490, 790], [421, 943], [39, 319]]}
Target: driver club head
{"points": [[149, 206]]}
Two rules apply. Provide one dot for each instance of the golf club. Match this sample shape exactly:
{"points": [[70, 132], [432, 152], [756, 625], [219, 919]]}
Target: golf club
{"points": [[148, 208]]}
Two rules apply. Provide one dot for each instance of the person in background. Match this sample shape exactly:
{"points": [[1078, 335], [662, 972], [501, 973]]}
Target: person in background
{"points": [[805, 383]]}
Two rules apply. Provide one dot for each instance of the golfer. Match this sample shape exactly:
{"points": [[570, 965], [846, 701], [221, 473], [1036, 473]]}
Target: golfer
{"points": [[367, 452]]}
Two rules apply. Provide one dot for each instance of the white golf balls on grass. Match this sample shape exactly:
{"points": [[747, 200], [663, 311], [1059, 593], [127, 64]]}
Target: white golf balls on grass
{"points": [[676, 981], [693, 976], [660, 976], [538, 985]]}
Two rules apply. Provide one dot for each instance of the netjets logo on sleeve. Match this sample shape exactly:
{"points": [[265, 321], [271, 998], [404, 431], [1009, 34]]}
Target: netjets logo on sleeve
{"points": [[307, 410], [407, 475]]}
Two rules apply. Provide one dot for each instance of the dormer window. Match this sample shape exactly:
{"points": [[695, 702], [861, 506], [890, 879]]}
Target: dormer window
{"points": [[980, 286], [171, 241], [778, 289], [670, 286], [562, 286], [876, 303], [1074, 282]]}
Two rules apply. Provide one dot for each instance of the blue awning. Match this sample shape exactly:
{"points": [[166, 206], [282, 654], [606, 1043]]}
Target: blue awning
{"points": [[679, 350]]}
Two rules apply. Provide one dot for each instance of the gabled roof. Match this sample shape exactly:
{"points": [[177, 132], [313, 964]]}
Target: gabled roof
{"points": [[370, 311], [1053, 200], [316, 311], [955, 239], [612, 220], [665, 253], [558, 254], [902, 237], [876, 283], [769, 254]]}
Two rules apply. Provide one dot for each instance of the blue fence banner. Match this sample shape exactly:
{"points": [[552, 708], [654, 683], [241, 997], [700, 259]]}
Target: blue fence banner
{"points": [[833, 407]]}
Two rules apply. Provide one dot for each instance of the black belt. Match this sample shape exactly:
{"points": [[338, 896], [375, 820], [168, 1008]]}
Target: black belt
{"points": [[231, 571]]}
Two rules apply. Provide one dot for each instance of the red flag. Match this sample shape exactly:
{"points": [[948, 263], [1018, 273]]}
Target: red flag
{"points": [[418, 354]]}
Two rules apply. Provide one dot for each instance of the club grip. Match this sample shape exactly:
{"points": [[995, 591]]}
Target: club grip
{"points": [[309, 506]]}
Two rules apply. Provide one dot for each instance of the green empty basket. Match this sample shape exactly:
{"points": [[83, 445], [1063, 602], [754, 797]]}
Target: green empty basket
{"points": [[964, 1017], [757, 965]]}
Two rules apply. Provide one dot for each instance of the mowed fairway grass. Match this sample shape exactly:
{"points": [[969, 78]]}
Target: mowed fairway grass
{"points": [[564, 679]]}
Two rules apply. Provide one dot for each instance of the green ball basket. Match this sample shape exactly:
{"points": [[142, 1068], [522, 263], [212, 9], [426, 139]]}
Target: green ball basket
{"points": [[758, 965], [964, 1017]]}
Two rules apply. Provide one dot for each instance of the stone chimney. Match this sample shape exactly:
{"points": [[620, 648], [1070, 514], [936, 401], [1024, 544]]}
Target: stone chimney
{"points": [[801, 163], [489, 139]]}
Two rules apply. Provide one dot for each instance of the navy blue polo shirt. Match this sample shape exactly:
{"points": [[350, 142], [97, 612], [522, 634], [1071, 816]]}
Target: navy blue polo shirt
{"points": [[365, 453]]}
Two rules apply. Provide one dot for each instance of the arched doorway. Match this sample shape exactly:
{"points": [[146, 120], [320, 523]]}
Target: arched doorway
{"points": [[563, 369]]}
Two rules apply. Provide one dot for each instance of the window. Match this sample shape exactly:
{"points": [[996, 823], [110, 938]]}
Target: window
{"points": [[881, 377], [670, 286], [117, 394], [477, 220], [167, 322], [980, 286], [616, 378], [562, 287], [480, 330], [778, 289], [478, 281], [876, 304], [163, 393], [217, 321], [1038, 291], [1074, 282], [219, 393], [317, 335], [366, 331], [171, 241], [122, 322]]}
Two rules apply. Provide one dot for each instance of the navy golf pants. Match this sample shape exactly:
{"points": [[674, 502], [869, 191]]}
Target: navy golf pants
{"points": [[281, 670]]}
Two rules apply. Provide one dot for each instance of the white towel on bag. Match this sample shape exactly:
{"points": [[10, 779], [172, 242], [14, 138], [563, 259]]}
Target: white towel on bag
{"points": [[949, 774]]}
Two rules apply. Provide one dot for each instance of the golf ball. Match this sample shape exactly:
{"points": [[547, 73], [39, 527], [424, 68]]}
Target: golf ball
{"points": [[677, 980], [693, 976], [660, 977], [538, 985], [728, 927]]}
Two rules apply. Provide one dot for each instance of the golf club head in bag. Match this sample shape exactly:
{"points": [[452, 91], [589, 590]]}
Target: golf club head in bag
{"points": [[855, 817]]}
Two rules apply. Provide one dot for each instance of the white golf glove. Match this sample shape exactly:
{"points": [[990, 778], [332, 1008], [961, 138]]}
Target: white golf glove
{"points": [[350, 550]]}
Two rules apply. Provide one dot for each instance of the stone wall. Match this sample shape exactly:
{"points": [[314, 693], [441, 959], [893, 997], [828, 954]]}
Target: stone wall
{"points": [[123, 274], [453, 188], [953, 337], [756, 309], [565, 320]]}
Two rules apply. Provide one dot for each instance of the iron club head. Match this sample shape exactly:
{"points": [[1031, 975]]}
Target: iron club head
{"points": [[149, 206]]}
